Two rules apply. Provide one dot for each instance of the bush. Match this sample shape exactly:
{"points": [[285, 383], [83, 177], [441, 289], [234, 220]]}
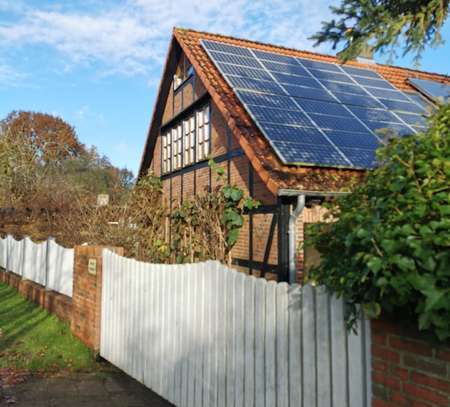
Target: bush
{"points": [[389, 249]]}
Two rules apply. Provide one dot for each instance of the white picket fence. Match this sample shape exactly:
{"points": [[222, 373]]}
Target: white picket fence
{"points": [[204, 335], [46, 263]]}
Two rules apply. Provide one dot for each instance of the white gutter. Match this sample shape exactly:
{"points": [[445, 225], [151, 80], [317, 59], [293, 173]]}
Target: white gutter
{"points": [[293, 237], [292, 229]]}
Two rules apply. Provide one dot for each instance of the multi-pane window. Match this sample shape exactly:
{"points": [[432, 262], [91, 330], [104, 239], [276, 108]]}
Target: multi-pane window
{"points": [[187, 142], [167, 152], [203, 133], [177, 147]]}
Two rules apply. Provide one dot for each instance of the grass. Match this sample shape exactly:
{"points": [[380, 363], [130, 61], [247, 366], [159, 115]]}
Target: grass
{"points": [[31, 339]]}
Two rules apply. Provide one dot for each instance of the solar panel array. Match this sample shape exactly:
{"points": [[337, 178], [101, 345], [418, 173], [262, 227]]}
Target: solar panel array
{"points": [[317, 113]]}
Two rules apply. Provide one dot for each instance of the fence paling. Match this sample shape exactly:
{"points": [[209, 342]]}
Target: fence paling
{"points": [[46, 263], [204, 335]]}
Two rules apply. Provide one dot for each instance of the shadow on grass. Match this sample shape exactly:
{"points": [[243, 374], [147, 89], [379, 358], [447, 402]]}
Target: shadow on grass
{"points": [[17, 319]]}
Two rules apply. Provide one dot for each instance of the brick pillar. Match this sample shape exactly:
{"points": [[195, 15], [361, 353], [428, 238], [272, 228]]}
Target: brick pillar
{"points": [[87, 294], [408, 368]]}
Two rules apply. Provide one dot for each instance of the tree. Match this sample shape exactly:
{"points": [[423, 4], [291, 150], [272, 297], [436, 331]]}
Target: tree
{"points": [[51, 138], [381, 25], [389, 248], [47, 175]]}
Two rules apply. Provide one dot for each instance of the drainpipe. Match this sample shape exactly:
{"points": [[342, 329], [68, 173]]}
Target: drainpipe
{"points": [[292, 237]]}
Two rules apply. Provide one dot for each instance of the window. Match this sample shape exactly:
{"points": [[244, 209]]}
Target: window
{"points": [[177, 147], [167, 154], [187, 142], [203, 133], [184, 71]]}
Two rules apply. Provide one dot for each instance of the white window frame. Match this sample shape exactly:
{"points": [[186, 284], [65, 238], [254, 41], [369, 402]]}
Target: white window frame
{"points": [[188, 142]]}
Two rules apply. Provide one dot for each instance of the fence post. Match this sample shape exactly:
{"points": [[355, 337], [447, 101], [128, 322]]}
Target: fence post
{"points": [[7, 253], [87, 293], [47, 260], [24, 251]]}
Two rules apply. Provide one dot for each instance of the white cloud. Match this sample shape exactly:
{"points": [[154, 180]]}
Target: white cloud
{"points": [[131, 37], [10, 77]]}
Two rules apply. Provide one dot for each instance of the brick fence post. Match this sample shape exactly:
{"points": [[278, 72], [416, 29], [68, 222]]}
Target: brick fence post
{"points": [[87, 294]]}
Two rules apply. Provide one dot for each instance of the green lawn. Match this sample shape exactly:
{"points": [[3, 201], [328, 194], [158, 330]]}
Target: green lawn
{"points": [[34, 340]]}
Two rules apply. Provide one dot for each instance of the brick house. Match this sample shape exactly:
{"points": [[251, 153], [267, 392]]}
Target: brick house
{"points": [[199, 114]]}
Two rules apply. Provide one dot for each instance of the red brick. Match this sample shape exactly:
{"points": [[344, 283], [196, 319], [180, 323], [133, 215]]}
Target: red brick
{"points": [[400, 399], [402, 374], [432, 382], [385, 354], [420, 404], [380, 403], [386, 381], [428, 365], [379, 338], [379, 365], [444, 354], [407, 345], [426, 395]]}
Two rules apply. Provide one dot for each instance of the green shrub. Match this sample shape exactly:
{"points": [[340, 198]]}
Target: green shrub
{"points": [[389, 248]]}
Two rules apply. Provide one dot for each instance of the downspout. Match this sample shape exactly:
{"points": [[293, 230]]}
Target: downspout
{"points": [[292, 237]]}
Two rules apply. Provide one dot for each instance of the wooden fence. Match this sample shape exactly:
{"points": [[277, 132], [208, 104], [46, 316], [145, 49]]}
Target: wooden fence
{"points": [[204, 335], [45, 263]]}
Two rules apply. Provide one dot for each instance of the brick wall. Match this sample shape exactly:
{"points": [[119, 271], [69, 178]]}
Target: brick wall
{"points": [[408, 369], [55, 303]]}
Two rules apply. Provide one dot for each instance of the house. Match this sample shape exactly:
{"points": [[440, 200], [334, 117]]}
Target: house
{"points": [[289, 127]]}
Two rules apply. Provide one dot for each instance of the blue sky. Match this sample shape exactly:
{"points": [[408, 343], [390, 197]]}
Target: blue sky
{"points": [[97, 63]]}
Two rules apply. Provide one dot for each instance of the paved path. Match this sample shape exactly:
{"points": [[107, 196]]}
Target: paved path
{"points": [[82, 390]]}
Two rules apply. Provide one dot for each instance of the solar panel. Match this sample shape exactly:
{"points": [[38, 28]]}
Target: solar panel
{"points": [[357, 100], [420, 100], [296, 80], [269, 56], [262, 99], [351, 139], [316, 112], [338, 123], [235, 59], [340, 77], [380, 115], [297, 134], [397, 105], [360, 157], [388, 94], [271, 115], [360, 72], [437, 91], [255, 84], [376, 83], [229, 49], [343, 87], [416, 120], [390, 128], [284, 68], [326, 66], [316, 106], [308, 93], [302, 153], [245, 72]]}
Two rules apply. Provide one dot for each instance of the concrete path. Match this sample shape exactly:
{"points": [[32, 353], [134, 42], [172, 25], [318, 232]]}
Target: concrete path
{"points": [[82, 390]]}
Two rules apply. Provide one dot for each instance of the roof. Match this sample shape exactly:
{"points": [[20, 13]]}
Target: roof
{"points": [[257, 148]]}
